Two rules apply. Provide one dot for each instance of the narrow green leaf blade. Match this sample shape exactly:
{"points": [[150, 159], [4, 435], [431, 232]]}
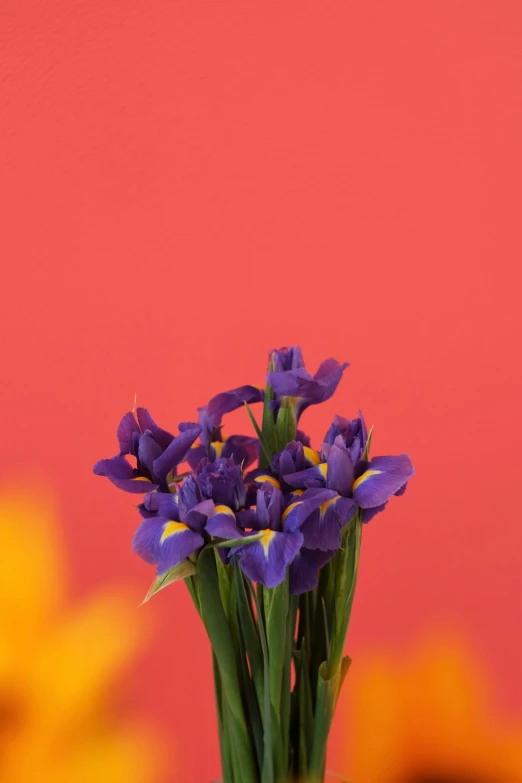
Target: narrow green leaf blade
{"points": [[219, 633], [366, 454], [182, 571], [264, 446], [238, 541]]}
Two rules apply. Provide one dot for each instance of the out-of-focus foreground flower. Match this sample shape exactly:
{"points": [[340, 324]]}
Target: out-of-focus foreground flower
{"points": [[430, 719], [57, 664]]}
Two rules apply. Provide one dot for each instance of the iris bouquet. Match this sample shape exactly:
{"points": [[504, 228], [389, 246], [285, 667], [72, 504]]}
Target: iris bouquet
{"points": [[265, 531]]}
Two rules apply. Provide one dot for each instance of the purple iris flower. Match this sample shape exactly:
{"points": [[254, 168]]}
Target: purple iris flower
{"points": [[350, 433], [222, 482], [157, 453], [368, 485], [175, 531], [290, 379], [266, 561], [243, 449]]}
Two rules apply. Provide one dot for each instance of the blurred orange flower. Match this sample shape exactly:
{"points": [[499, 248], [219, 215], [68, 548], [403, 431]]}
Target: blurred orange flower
{"points": [[57, 664], [430, 719]]}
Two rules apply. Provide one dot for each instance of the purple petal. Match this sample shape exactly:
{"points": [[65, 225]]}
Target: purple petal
{"points": [[248, 519], [195, 454], [126, 428], [304, 569], [383, 477], [303, 438], [310, 477], [147, 539], [223, 524], [177, 547], [266, 561], [231, 400], [322, 528], [369, 513], [177, 451], [242, 448], [197, 516], [311, 500], [165, 504], [286, 358], [148, 452], [290, 383], [340, 471], [146, 422], [123, 475]]}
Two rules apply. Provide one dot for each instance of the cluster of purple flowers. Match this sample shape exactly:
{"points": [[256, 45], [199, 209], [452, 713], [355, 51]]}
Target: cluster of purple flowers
{"points": [[290, 513]]}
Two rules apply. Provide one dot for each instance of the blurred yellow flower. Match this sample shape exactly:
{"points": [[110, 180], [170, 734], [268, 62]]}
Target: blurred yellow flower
{"points": [[57, 663], [430, 719]]}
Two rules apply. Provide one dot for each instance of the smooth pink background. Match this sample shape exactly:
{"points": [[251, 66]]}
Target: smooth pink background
{"points": [[188, 184]]}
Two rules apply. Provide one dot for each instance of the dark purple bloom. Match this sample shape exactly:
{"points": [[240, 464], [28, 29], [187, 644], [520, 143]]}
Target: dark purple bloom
{"points": [[242, 448], [266, 560], [290, 379], [305, 567], [294, 457], [320, 514], [368, 484], [222, 482], [174, 534], [285, 359], [157, 453], [350, 433]]}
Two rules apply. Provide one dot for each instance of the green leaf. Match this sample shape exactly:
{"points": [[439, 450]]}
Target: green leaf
{"points": [[225, 583], [268, 427], [219, 633], [327, 693], [250, 635], [264, 446], [239, 541], [366, 454], [286, 426], [268, 423], [306, 714], [182, 571], [345, 580], [276, 613], [286, 692], [224, 744], [248, 687], [267, 772]]}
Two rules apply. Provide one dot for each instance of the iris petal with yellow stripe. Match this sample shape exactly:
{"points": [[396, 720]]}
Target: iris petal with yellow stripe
{"points": [[383, 477]]}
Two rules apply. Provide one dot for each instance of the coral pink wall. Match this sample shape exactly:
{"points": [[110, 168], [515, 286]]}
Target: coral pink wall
{"points": [[185, 185]]}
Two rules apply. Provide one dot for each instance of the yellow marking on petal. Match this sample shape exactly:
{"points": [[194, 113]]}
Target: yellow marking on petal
{"points": [[323, 469], [297, 491], [289, 509], [267, 539], [218, 447], [311, 455], [224, 437], [270, 480], [141, 478], [366, 475], [225, 510], [172, 529], [328, 503]]}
